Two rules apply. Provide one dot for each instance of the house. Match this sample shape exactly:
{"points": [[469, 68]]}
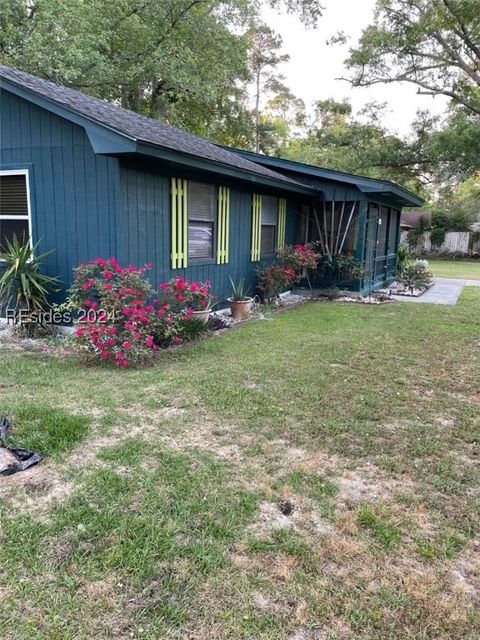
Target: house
{"points": [[86, 178], [410, 219]]}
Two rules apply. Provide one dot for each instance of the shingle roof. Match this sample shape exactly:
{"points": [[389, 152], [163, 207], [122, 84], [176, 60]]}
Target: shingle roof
{"points": [[134, 125], [363, 183]]}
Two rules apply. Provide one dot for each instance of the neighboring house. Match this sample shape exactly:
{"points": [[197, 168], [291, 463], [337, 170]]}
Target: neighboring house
{"points": [[87, 178], [410, 219]]}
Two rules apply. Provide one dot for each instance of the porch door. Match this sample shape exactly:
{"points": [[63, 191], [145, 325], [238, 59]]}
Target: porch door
{"points": [[393, 229], [381, 254], [371, 244]]}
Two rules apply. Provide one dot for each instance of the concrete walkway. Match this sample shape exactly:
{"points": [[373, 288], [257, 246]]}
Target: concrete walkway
{"points": [[443, 291]]}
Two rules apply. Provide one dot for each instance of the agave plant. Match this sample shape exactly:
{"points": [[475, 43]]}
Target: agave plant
{"points": [[22, 284], [239, 290], [404, 259]]}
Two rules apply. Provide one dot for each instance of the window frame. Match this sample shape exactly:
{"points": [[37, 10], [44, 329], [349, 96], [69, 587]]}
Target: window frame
{"points": [[275, 228], [28, 217], [214, 222]]}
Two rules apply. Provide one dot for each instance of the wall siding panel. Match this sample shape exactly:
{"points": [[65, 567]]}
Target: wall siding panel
{"points": [[75, 194], [147, 216]]}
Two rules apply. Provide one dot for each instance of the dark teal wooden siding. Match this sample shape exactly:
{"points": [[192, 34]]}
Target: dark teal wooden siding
{"points": [[146, 219], [75, 194]]}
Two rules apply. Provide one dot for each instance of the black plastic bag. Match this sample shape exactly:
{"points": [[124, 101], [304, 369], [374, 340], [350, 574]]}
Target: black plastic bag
{"points": [[25, 457]]}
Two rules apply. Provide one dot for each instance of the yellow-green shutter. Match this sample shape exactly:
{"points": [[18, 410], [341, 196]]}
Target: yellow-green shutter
{"points": [[256, 227], [223, 225], [179, 223], [282, 220]]}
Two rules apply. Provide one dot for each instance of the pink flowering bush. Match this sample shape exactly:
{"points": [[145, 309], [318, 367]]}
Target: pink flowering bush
{"points": [[298, 257], [181, 294], [289, 267], [122, 322], [116, 320], [273, 279]]}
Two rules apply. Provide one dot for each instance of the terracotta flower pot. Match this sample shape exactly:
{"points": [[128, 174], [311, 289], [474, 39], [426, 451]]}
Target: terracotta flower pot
{"points": [[201, 315], [240, 308]]}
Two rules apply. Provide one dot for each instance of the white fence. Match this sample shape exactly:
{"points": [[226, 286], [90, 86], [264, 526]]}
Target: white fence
{"points": [[464, 242]]}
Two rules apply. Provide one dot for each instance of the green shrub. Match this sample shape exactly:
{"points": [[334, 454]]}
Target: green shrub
{"points": [[341, 268], [273, 279], [416, 276], [404, 259], [437, 236], [23, 286], [414, 236]]}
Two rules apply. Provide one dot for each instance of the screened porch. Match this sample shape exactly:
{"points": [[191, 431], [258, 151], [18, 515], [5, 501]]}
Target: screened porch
{"points": [[358, 242]]}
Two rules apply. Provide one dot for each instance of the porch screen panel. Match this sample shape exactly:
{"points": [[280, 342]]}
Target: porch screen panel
{"points": [[256, 227], [223, 224], [179, 223], [282, 219], [382, 232], [392, 231], [370, 242]]}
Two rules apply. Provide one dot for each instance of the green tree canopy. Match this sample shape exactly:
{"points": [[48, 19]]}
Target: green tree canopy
{"points": [[338, 139], [185, 61], [434, 44]]}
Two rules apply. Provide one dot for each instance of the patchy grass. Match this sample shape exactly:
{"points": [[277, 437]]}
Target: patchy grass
{"points": [[468, 269], [43, 428], [157, 512]]}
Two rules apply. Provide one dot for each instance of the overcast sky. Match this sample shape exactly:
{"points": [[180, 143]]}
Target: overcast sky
{"points": [[313, 67]]}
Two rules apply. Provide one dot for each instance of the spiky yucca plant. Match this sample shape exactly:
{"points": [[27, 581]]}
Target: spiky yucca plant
{"points": [[404, 259], [22, 284]]}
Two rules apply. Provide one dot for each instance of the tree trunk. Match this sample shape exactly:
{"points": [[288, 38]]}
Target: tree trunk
{"points": [[257, 114]]}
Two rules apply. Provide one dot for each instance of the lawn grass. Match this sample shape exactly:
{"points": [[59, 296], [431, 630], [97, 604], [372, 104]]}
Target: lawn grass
{"points": [[156, 511], [467, 269]]}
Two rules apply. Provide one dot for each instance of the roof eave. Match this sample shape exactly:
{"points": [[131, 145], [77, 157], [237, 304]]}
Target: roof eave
{"points": [[364, 184], [189, 160], [403, 197], [109, 141]]}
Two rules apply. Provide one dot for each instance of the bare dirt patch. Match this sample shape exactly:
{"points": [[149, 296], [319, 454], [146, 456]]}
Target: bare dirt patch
{"points": [[270, 518], [304, 518], [368, 483], [465, 573]]}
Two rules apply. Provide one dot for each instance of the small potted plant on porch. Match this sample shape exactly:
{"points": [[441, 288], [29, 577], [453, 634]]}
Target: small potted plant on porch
{"points": [[240, 302]]}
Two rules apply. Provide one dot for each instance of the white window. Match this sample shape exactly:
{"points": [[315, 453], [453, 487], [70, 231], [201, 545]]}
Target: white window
{"points": [[202, 199], [15, 216]]}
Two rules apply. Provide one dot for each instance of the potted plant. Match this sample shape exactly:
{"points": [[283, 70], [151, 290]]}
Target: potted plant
{"points": [[195, 297], [240, 303]]}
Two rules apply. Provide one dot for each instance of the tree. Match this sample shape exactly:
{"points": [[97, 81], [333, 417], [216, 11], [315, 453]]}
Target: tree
{"points": [[265, 56], [185, 61], [434, 44], [458, 207], [175, 59], [287, 106], [284, 116], [453, 145], [337, 139]]}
